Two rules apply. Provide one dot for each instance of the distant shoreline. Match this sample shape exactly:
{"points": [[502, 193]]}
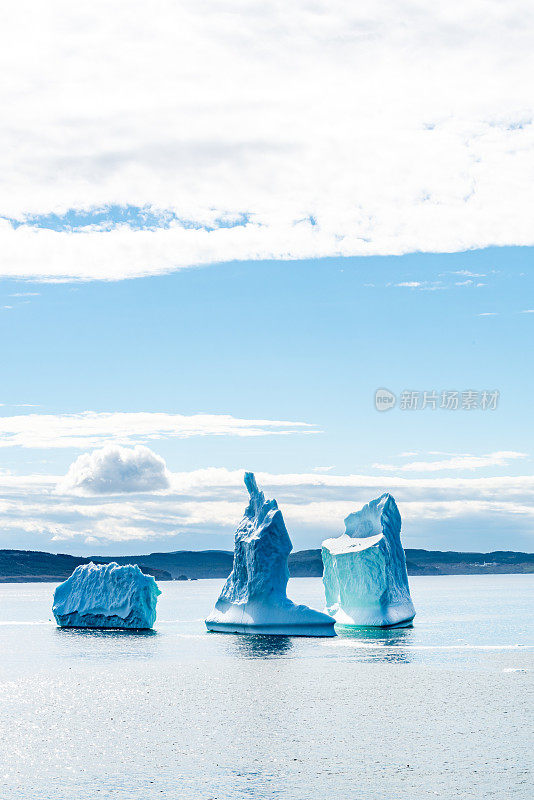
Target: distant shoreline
{"points": [[23, 566]]}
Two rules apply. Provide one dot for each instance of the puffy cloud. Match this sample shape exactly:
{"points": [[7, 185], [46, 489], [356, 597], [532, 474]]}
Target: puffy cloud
{"points": [[243, 131], [91, 429], [114, 469]]}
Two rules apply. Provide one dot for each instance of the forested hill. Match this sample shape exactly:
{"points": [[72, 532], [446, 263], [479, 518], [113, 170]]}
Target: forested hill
{"points": [[31, 565]]}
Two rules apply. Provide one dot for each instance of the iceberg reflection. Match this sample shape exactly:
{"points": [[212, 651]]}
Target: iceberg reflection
{"points": [[261, 646]]}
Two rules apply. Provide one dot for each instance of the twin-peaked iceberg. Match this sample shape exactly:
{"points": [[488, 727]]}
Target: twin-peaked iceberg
{"points": [[253, 599], [106, 596], [365, 578]]}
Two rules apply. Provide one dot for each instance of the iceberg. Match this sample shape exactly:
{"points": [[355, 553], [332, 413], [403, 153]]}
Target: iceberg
{"points": [[254, 599], [106, 596], [364, 576]]}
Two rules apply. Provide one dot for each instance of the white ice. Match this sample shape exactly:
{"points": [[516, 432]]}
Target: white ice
{"points": [[253, 599], [106, 596], [365, 578]]}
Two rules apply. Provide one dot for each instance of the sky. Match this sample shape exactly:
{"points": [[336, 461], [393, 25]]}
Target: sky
{"points": [[223, 228]]}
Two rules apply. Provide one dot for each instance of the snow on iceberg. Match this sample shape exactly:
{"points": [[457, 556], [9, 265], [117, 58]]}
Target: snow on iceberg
{"points": [[253, 599], [365, 576], [106, 596]]}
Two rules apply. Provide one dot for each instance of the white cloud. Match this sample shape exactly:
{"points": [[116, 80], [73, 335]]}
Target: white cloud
{"points": [[336, 128], [436, 286], [114, 469], [212, 501], [424, 286], [468, 273], [488, 314], [331, 514], [92, 429], [464, 461]]}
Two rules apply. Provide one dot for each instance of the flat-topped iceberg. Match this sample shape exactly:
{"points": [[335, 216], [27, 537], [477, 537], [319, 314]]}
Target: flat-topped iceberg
{"points": [[253, 599], [106, 596], [365, 578]]}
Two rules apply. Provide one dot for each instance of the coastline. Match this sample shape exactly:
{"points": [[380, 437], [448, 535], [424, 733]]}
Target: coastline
{"points": [[24, 566]]}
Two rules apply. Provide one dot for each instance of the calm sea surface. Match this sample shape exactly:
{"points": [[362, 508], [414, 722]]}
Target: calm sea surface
{"points": [[443, 710]]}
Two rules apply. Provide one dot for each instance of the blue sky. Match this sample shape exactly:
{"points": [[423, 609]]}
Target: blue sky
{"points": [[298, 341], [223, 227]]}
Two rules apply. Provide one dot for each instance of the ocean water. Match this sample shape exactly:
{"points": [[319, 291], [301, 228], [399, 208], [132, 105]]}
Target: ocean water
{"points": [[441, 710]]}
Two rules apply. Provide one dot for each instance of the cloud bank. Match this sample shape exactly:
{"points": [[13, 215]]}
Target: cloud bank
{"points": [[463, 461], [205, 506], [114, 470], [246, 131], [92, 429]]}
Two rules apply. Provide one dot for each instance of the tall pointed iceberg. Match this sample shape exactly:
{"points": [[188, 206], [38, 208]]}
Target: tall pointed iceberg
{"points": [[365, 578], [253, 599]]}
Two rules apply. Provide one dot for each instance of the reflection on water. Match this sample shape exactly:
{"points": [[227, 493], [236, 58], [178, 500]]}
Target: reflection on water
{"points": [[391, 645], [106, 644], [108, 633], [260, 645]]}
